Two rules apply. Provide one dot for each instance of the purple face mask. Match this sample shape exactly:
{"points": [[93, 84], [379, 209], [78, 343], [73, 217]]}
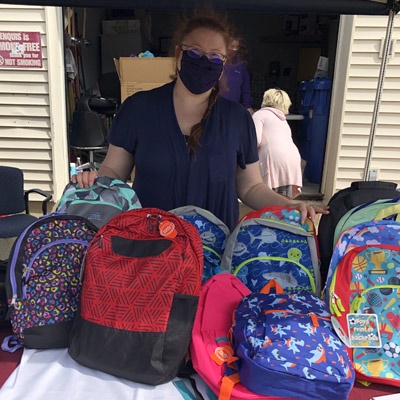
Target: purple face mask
{"points": [[199, 74]]}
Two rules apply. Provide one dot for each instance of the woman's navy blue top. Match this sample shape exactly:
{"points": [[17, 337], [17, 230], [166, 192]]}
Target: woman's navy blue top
{"points": [[166, 175]]}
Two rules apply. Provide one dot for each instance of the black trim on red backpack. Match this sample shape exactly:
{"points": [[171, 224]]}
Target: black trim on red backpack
{"points": [[141, 283]]}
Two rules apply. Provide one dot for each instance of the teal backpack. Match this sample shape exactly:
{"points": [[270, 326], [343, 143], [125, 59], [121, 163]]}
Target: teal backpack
{"points": [[106, 198]]}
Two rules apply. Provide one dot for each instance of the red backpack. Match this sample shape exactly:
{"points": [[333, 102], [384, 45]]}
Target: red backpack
{"points": [[140, 291]]}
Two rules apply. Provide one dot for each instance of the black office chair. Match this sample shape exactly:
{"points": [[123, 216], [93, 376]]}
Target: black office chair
{"points": [[110, 87], [88, 129], [14, 203]]}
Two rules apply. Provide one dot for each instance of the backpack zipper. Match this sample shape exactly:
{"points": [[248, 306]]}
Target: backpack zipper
{"points": [[14, 258], [212, 251], [314, 317], [270, 222], [335, 304], [25, 275], [269, 258], [91, 202], [154, 221], [355, 304]]}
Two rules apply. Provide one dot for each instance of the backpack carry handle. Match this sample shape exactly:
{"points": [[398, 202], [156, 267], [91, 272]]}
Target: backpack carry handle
{"points": [[356, 185], [227, 384], [270, 285]]}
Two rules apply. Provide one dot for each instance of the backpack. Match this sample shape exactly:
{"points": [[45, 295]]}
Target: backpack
{"points": [[358, 193], [210, 347], [364, 278], [100, 202], [140, 291], [213, 232], [374, 210], [286, 346], [43, 279], [272, 244]]}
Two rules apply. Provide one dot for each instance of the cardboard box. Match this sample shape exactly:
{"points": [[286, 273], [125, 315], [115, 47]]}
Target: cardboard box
{"points": [[120, 26], [137, 74]]}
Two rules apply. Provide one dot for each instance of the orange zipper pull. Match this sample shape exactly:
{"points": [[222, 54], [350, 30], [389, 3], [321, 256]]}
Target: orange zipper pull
{"points": [[314, 319]]}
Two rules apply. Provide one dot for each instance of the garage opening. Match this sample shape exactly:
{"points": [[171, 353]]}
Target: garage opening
{"points": [[293, 52]]}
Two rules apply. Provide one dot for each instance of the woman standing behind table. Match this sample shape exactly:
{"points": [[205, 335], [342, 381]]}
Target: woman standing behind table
{"points": [[280, 161], [235, 80], [188, 145]]}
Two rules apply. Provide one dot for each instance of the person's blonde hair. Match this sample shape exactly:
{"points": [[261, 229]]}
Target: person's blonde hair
{"points": [[277, 98]]}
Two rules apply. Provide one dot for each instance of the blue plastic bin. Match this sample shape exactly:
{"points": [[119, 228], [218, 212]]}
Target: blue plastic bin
{"points": [[304, 108], [315, 105]]}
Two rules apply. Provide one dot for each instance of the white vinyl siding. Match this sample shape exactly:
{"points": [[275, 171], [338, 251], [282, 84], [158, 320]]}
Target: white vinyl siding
{"points": [[31, 127], [355, 82], [25, 137]]}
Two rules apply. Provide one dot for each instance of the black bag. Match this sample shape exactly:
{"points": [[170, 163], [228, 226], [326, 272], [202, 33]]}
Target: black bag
{"points": [[358, 193], [3, 296]]}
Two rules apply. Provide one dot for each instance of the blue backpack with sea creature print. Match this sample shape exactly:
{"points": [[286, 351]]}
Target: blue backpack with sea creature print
{"points": [[286, 346], [213, 232], [271, 243]]}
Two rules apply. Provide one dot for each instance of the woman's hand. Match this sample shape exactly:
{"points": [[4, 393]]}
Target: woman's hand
{"points": [[308, 210], [85, 178], [256, 194], [118, 164]]}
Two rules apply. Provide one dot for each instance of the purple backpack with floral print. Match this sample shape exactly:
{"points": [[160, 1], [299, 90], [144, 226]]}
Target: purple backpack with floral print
{"points": [[43, 282]]}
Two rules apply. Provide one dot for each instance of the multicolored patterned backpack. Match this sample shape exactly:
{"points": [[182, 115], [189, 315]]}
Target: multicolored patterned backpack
{"points": [[364, 285], [286, 346], [140, 291], [100, 202], [43, 279], [213, 232], [273, 244]]}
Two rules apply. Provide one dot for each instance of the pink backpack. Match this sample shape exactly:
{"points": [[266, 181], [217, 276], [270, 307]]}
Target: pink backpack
{"points": [[209, 348]]}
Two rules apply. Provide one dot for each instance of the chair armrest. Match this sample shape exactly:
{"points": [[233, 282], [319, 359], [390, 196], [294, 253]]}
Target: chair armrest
{"points": [[44, 202]]}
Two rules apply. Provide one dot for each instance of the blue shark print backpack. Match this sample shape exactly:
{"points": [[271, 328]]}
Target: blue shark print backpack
{"points": [[213, 232], [286, 347], [272, 244]]}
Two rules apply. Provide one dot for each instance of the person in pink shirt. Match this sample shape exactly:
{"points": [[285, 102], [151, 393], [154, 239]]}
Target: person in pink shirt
{"points": [[280, 161]]}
